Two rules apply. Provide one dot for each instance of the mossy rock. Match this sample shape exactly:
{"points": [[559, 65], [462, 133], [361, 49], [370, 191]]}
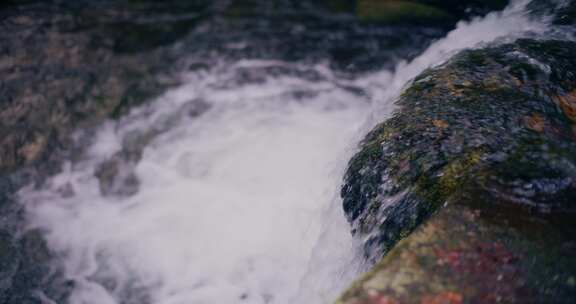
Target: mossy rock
{"points": [[493, 127], [474, 255]]}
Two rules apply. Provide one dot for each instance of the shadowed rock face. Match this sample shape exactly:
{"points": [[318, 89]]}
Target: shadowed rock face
{"points": [[492, 136], [65, 66], [563, 11], [475, 255]]}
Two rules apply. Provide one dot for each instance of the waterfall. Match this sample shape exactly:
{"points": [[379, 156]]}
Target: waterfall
{"points": [[225, 189]]}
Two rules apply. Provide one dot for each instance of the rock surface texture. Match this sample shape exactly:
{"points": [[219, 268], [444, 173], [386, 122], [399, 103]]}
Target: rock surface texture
{"points": [[65, 67], [475, 175]]}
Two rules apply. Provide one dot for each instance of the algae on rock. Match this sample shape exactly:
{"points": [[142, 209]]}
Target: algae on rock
{"points": [[491, 131], [475, 255]]}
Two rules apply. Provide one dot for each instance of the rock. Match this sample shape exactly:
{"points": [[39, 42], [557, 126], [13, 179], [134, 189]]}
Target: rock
{"points": [[469, 255], [563, 12], [493, 126], [68, 66], [567, 15], [8, 262], [490, 132], [63, 67], [36, 277]]}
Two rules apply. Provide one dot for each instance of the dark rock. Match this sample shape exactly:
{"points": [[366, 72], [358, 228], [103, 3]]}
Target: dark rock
{"points": [[492, 127], [8, 262], [563, 12], [469, 255], [66, 66], [57, 77]]}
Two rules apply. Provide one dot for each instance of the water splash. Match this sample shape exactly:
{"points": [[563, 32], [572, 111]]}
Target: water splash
{"points": [[231, 202], [235, 177]]}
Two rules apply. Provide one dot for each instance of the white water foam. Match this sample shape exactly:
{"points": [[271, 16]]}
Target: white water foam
{"points": [[231, 203], [239, 204]]}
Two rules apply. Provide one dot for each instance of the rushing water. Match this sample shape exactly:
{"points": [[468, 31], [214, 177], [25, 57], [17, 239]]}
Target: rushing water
{"points": [[234, 196]]}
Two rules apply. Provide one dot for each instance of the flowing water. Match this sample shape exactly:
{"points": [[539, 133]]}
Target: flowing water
{"points": [[232, 196]]}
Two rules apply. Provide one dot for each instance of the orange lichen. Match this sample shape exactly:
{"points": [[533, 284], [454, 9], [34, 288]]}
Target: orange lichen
{"points": [[377, 298], [447, 297], [517, 81], [440, 124], [568, 104], [536, 122]]}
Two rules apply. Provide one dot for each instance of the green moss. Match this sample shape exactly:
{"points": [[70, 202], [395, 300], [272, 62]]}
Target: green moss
{"points": [[368, 153], [567, 15], [462, 135], [418, 88], [399, 11], [381, 133], [453, 175], [475, 57]]}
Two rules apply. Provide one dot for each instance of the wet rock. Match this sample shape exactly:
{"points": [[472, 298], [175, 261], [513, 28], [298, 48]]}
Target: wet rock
{"points": [[563, 12], [117, 177], [475, 255], [63, 67], [8, 261], [68, 66], [482, 151], [567, 14], [27, 272], [36, 278], [491, 128], [265, 29]]}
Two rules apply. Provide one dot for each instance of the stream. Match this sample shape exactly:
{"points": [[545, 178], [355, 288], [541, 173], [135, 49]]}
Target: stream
{"points": [[225, 188]]}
